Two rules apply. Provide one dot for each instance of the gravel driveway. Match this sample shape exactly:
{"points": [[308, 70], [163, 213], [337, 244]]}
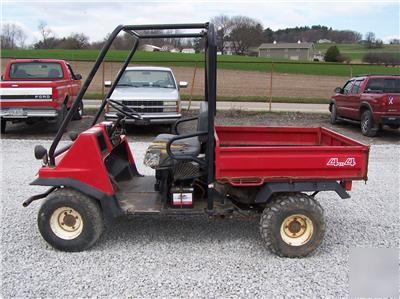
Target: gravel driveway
{"points": [[191, 256]]}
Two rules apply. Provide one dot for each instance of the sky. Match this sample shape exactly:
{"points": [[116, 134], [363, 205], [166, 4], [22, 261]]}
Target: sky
{"points": [[97, 18]]}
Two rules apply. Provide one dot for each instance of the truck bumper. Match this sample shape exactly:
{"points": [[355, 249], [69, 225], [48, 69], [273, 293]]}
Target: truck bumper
{"points": [[391, 120], [148, 118], [24, 112]]}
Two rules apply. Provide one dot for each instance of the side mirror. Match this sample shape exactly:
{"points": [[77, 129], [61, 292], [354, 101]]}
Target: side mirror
{"points": [[338, 90], [107, 83], [78, 77], [183, 84]]}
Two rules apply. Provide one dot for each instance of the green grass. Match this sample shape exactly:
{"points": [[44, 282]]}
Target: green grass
{"points": [[243, 63], [357, 51], [98, 96]]}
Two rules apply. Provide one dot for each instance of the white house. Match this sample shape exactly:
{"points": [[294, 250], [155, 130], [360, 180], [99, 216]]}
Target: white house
{"points": [[188, 51]]}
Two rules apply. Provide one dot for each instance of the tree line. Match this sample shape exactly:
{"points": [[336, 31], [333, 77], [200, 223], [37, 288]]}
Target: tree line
{"points": [[238, 34]]}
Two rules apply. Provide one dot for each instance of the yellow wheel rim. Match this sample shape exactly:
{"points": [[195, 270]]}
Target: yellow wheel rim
{"points": [[297, 230], [66, 223]]}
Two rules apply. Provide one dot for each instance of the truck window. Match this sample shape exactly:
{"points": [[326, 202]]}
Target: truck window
{"points": [[347, 87], [36, 70], [385, 85], [147, 78], [356, 87]]}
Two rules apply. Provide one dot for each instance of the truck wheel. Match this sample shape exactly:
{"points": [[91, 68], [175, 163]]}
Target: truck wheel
{"points": [[70, 221], [293, 225], [334, 119], [3, 126], [368, 128], [59, 118], [79, 113]]}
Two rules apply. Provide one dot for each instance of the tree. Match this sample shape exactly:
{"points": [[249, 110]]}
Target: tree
{"points": [[47, 35], [332, 54], [246, 32], [223, 25], [74, 41], [12, 36]]}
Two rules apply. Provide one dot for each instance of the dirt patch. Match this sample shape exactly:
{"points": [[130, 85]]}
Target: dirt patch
{"points": [[230, 82]]}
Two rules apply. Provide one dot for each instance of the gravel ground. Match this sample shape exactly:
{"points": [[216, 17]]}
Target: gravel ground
{"points": [[190, 256], [41, 130]]}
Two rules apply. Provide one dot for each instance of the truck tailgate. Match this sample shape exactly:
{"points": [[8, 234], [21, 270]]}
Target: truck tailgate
{"points": [[254, 155]]}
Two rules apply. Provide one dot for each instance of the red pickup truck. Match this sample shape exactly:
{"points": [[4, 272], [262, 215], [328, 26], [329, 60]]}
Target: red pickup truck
{"points": [[372, 100], [33, 89]]}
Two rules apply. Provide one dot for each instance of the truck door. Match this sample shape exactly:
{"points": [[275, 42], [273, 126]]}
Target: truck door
{"points": [[342, 100], [354, 100], [75, 84]]}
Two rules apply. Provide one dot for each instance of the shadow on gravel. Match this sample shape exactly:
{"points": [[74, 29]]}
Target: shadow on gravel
{"points": [[188, 229]]}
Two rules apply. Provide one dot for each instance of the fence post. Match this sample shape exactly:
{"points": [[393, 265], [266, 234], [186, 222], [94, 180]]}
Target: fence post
{"points": [[270, 87], [192, 86], [102, 79]]}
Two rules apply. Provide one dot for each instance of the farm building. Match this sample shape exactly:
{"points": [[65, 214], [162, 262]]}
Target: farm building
{"points": [[188, 51], [150, 48], [293, 51]]}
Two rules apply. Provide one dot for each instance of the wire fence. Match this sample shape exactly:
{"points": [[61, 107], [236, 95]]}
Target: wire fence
{"points": [[246, 81]]}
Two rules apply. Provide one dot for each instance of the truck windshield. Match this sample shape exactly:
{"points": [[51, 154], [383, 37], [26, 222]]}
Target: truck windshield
{"points": [[36, 70], [386, 85], [147, 78]]}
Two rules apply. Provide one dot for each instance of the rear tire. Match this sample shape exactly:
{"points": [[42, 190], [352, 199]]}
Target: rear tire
{"points": [[334, 119], [59, 118], [70, 221], [3, 126], [368, 127], [79, 113], [293, 225]]}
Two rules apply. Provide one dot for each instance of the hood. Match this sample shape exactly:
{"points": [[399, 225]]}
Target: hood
{"points": [[145, 93]]}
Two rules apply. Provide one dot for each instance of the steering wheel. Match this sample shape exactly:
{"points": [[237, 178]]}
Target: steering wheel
{"points": [[127, 111]]}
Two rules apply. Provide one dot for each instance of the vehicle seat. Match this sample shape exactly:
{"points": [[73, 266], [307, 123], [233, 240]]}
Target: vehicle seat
{"points": [[156, 155], [54, 73]]}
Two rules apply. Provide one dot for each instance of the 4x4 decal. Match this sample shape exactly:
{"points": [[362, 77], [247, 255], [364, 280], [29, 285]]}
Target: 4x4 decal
{"points": [[335, 162]]}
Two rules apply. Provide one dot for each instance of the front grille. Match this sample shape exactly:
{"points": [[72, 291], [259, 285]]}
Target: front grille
{"points": [[145, 106]]}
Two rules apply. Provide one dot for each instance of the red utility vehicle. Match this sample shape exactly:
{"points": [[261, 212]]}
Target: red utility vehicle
{"points": [[373, 100], [33, 89], [218, 170]]}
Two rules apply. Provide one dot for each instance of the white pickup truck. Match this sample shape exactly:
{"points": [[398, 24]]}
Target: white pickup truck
{"points": [[151, 91]]}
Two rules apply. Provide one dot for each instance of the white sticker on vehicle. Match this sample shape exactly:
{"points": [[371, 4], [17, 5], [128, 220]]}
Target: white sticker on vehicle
{"points": [[341, 163]]}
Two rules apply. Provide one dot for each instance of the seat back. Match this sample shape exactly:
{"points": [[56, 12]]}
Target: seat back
{"points": [[202, 122]]}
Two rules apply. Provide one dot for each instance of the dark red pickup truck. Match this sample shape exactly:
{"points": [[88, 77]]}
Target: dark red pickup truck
{"points": [[373, 100], [33, 89]]}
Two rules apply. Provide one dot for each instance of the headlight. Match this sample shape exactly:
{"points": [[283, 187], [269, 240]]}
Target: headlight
{"points": [[169, 109], [169, 103]]}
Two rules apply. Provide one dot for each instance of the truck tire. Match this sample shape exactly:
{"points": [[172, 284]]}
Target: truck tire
{"points": [[3, 126], [368, 127], [79, 113], [70, 221], [334, 119], [59, 118], [293, 225]]}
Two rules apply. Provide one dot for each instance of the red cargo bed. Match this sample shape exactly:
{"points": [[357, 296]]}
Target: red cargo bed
{"points": [[255, 155]]}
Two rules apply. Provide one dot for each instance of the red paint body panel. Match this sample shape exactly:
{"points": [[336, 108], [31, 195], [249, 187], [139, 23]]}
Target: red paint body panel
{"points": [[84, 161], [65, 87], [255, 155]]}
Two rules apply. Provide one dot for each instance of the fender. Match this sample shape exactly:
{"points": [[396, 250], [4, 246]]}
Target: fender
{"points": [[365, 104], [109, 204], [269, 189]]}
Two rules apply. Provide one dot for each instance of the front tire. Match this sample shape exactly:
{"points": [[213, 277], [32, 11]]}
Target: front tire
{"points": [[3, 126], [293, 225], [368, 127], [334, 119], [70, 221], [79, 113]]}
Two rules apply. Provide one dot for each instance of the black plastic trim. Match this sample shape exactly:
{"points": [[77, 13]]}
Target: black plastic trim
{"points": [[269, 189], [108, 203]]}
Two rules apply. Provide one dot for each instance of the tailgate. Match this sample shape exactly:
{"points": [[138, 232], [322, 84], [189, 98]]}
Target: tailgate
{"points": [[25, 94]]}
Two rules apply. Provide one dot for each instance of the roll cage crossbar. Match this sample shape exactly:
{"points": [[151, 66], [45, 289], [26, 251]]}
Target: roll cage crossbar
{"points": [[207, 32]]}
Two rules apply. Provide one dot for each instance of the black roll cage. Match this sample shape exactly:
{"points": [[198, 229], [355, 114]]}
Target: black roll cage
{"points": [[210, 67]]}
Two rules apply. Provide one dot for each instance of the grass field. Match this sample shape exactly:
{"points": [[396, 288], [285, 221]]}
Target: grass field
{"points": [[244, 63], [357, 51]]}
